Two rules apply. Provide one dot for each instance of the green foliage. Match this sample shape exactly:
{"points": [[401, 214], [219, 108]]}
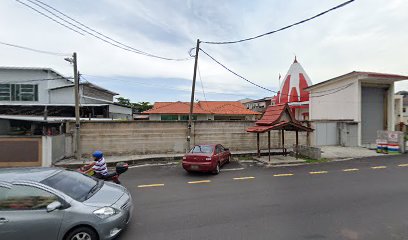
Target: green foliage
{"points": [[137, 107]]}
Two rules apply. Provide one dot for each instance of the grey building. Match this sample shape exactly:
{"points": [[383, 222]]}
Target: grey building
{"points": [[39, 91]]}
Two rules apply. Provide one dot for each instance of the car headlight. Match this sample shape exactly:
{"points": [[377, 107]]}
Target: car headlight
{"points": [[105, 212]]}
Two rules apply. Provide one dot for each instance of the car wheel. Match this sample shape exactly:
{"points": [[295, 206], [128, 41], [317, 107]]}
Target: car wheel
{"points": [[217, 169], [229, 159], [82, 233]]}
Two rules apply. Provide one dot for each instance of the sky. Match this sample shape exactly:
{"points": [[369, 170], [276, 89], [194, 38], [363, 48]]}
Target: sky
{"points": [[366, 35]]}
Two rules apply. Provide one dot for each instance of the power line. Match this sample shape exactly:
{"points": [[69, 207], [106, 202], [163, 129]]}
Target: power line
{"points": [[52, 19], [94, 33], [83, 25], [264, 88], [35, 50], [166, 87], [236, 74], [283, 28], [201, 81]]}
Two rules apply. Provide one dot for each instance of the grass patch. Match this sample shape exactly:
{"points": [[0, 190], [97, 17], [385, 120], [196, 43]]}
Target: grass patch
{"points": [[323, 160]]}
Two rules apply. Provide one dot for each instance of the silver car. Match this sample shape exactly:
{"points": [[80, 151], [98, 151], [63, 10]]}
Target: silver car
{"points": [[53, 203]]}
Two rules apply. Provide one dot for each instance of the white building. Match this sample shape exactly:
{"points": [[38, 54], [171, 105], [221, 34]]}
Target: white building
{"points": [[26, 90], [349, 109]]}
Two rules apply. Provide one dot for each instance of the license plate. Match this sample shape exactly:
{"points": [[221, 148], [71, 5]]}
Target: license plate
{"points": [[194, 167]]}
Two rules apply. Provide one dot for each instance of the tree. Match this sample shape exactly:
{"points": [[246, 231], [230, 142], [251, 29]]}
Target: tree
{"points": [[124, 101], [143, 106], [136, 107]]}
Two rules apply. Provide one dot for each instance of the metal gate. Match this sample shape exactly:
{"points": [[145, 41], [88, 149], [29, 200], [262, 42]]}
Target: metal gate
{"points": [[326, 133], [20, 151], [373, 113]]}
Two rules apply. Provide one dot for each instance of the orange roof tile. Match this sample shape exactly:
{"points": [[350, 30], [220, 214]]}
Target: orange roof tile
{"points": [[272, 114], [202, 107]]}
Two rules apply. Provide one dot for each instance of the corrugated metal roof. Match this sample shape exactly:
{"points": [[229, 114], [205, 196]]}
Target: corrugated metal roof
{"points": [[394, 77], [31, 69], [49, 119]]}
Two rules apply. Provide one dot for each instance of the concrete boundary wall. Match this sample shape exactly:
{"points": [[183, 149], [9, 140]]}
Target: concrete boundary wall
{"points": [[160, 137]]}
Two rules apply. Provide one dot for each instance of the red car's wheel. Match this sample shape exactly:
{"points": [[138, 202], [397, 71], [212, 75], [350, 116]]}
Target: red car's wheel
{"points": [[217, 169], [229, 159]]}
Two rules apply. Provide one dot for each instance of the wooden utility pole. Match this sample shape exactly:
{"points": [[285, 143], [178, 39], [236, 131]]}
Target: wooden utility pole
{"points": [[77, 116], [190, 115]]}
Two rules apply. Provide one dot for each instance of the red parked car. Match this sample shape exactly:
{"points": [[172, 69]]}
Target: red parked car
{"points": [[206, 158]]}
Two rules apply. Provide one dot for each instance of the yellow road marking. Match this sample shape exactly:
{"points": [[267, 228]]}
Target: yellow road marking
{"points": [[379, 167], [350, 170], [318, 172], [403, 165], [201, 181], [151, 185], [283, 175], [243, 178]]}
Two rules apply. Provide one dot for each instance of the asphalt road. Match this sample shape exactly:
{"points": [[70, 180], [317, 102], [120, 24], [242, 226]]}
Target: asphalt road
{"points": [[358, 199]]}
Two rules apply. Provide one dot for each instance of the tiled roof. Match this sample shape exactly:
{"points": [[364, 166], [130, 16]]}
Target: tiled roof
{"points": [[202, 107], [272, 114], [278, 117]]}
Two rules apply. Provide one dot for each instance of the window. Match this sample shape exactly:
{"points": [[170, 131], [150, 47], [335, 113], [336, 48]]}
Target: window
{"points": [[218, 150], [185, 117], [18, 92], [404, 109], [202, 149], [26, 198], [74, 184], [169, 117], [5, 92]]}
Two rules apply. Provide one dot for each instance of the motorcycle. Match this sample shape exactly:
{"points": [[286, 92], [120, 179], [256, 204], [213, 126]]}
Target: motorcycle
{"points": [[120, 168]]}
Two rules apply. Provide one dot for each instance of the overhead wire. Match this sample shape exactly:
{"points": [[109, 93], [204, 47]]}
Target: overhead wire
{"points": [[83, 25], [164, 86], [236, 74], [95, 33], [201, 81], [283, 28], [267, 89], [35, 50], [52, 19]]}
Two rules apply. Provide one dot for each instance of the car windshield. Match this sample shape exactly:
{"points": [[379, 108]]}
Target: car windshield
{"points": [[202, 149], [76, 185]]}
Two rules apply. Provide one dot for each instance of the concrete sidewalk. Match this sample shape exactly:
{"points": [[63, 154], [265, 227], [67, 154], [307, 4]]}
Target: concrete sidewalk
{"points": [[139, 159], [331, 153], [338, 152], [279, 160]]}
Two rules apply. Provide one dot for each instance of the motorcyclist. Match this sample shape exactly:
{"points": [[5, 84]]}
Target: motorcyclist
{"points": [[98, 166]]}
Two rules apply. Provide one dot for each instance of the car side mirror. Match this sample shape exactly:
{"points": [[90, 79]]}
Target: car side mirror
{"points": [[53, 206]]}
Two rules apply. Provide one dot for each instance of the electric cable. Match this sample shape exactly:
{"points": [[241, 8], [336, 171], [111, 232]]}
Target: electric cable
{"points": [[283, 28]]}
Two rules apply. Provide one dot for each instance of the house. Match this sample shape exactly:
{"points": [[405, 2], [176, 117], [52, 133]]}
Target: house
{"points": [[401, 102], [349, 109], [292, 91], [35, 91], [245, 100], [202, 110], [399, 110], [260, 105]]}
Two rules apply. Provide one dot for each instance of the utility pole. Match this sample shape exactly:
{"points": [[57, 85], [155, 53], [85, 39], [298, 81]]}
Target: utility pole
{"points": [[190, 116], [77, 120], [73, 61]]}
